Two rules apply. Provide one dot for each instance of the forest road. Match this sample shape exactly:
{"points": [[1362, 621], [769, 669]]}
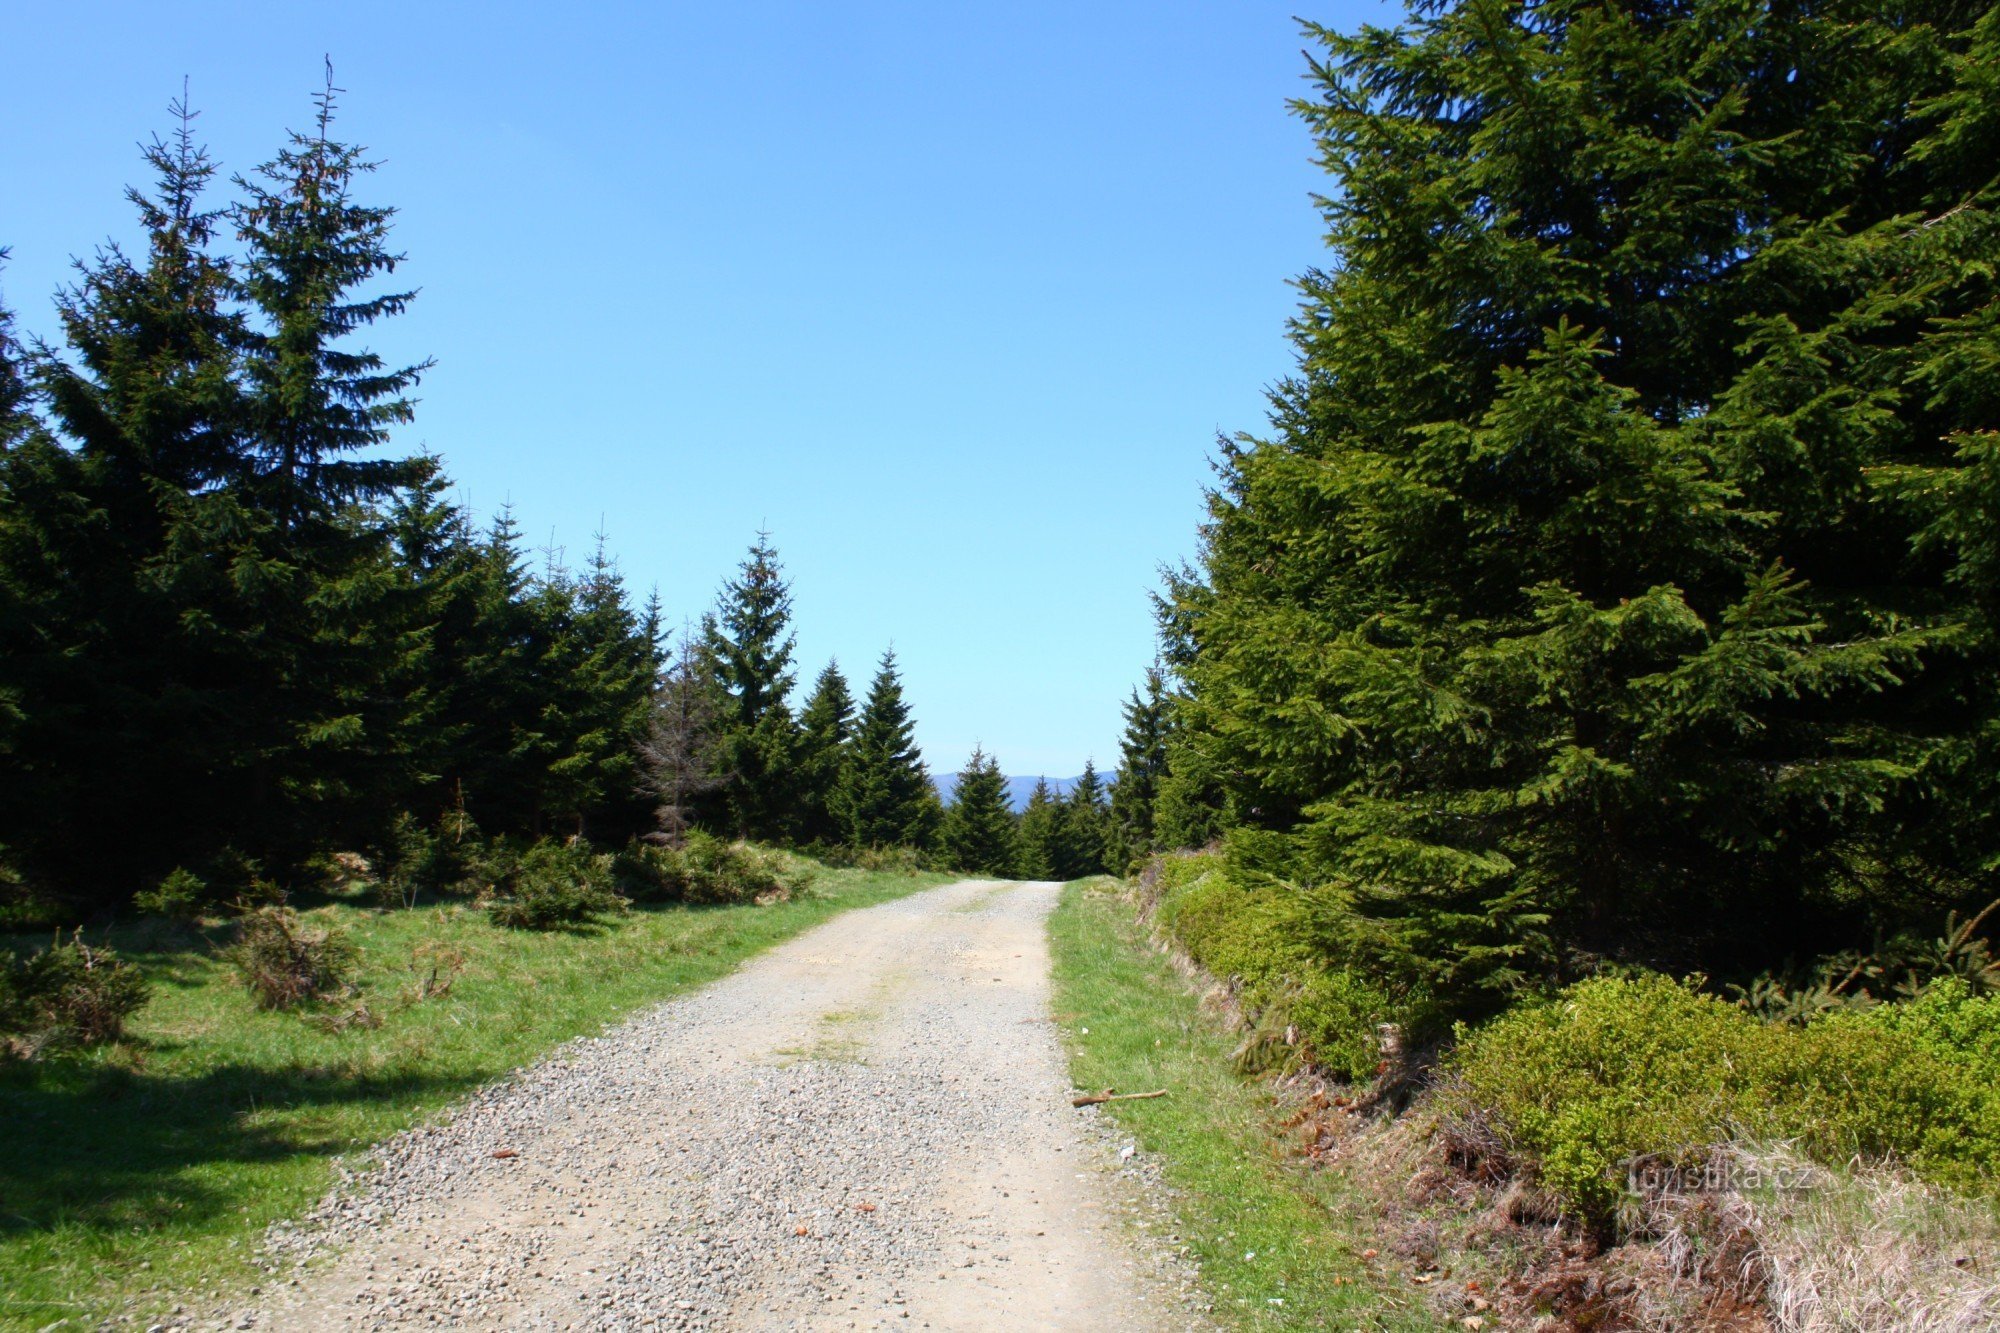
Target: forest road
{"points": [[866, 1127]]}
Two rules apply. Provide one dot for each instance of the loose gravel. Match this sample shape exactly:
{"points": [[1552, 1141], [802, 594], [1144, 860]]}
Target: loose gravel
{"points": [[866, 1127]]}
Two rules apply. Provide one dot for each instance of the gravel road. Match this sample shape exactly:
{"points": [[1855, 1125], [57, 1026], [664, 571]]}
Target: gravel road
{"points": [[866, 1127]]}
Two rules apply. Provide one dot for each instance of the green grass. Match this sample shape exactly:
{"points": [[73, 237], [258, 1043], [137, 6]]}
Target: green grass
{"points": [[142, 1174], [1238, 1191]]}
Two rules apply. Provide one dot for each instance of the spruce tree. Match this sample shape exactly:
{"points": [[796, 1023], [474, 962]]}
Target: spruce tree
{"points": [[326, 633], [1142, 762], [120, 685], [1039, 839], [1086, 827], [677, 750], [599, 698], [826, 725], [887, 799], [751, 643], [978, 831], [317, 404], [1598, 592]]}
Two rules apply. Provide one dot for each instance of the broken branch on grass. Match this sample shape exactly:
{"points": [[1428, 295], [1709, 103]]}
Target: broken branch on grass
{"points": [[1099, 1098]]}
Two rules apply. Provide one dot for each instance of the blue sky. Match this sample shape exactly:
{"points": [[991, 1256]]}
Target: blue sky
{"points": [[952, 299]]}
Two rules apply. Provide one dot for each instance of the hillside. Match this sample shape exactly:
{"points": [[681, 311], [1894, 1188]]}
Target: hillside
{"points": [[1018, 788]]}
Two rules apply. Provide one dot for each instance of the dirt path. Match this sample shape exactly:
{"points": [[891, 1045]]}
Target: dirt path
{"points": [[866, 1127]]}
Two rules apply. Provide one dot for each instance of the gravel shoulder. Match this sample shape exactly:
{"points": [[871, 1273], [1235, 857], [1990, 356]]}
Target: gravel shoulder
{"points": [[868, 1126]]}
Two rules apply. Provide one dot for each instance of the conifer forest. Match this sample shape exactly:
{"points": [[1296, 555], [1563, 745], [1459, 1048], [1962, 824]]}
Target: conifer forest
{"points": [[1572, 750]]}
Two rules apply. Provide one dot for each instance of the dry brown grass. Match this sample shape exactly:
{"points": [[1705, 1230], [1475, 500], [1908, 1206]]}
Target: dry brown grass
{"points": [[1870, 1248]]}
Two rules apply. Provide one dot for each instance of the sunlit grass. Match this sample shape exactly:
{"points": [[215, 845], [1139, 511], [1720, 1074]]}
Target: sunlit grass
{"points": [[141, 1175], [1277, 1245]]}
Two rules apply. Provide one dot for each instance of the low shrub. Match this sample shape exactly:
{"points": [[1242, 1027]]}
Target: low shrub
{"points": [[69, 994], [1617, 1071], [435, 967], [286, 962], [181, 896], [237, 880], [647, 872], [451, 859], [1268, 943], [1611, 1071], [1916, 1082], [736, 872], [556, 884], [896, 860], [706, 871]]}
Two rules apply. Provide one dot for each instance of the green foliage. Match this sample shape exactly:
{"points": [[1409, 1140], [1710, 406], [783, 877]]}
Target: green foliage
{"points": [[750, 643], [646, 872], [1142, 763], [222, 586], [287, 961], [69, 994], [1279, 1248], [1038, 838], [887, 799], [181, 896], [706, 870], [1615, 583], [1085, 829], [826, 726], [736, 872], [1616, 1071], [1268, 944], [978, 834], [893, 860], [556, 884]]}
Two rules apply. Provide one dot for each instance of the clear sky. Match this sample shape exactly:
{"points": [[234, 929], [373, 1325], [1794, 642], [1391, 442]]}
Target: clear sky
{"points": [[951, 298]]}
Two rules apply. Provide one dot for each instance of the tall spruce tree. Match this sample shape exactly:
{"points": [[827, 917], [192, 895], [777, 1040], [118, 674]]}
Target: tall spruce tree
{"points": [[120, 688], [1603, 589], [327, 632], [826, 725], [887, 799], [751, 643], [1039, 839], [1142, 762], [978, 831], [1086, 827]]}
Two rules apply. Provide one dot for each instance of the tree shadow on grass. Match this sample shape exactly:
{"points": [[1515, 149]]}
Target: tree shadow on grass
{"points": [[111, 1147]]}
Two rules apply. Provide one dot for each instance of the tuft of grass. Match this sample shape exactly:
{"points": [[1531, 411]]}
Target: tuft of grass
{"points": [[1276, 1243], [141, 1174]]}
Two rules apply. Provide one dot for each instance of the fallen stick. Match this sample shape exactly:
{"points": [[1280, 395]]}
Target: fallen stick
{"points": [[1099, 1098]]}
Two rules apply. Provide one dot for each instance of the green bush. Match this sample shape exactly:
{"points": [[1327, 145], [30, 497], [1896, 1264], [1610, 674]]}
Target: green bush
{"points": [[181, 896], [736, 872], [70, 993], [450, 859], [556, 884], [287, 962], [707, 870], [1621, 1069], [895, 859], [649, 873], [1918, 1081], [1614, 1070], [1269, 943]]}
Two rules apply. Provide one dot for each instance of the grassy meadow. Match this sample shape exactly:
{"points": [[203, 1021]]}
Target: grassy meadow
{"points": [[140, 1174]]}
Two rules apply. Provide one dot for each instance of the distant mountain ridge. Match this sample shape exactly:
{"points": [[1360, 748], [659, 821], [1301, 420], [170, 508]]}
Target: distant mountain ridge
{"points": [[1018, 788]]}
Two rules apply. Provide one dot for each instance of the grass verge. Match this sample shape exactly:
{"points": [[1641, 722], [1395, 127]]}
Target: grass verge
{"points": [[1278, 1245], [144, 1173]]}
